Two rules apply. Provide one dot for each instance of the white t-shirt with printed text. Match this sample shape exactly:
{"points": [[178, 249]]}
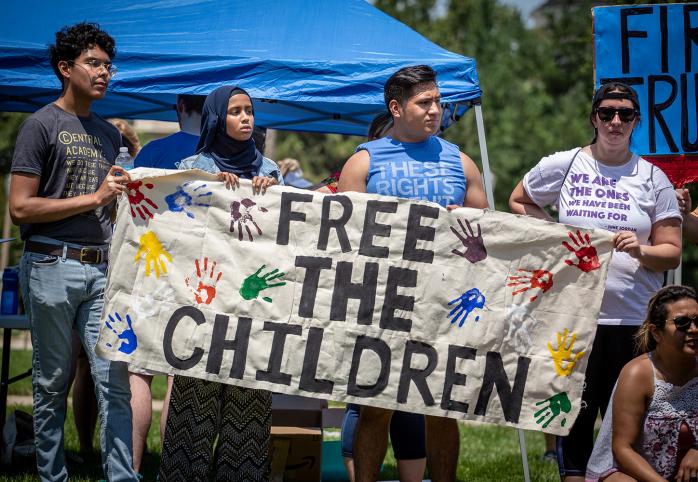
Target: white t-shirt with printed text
{"points": [[629, 197]]}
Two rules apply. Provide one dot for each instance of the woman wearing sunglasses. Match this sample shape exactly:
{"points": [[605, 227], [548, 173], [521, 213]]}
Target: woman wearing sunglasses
{"points": [[653, 429], [604, 185]]}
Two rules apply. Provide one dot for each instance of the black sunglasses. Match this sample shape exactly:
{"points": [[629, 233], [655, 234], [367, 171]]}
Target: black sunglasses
{"points": [[683, 322], [625, 114]]}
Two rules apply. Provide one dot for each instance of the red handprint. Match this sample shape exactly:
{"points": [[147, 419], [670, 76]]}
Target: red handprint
{"points": [[539, 278], [138, 200], [585, 252], [205, 289], [243, 217]]}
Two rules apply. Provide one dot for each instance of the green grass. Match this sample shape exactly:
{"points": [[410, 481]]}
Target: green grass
{"points": [[487, 453], [92, 469], [21, 360]]}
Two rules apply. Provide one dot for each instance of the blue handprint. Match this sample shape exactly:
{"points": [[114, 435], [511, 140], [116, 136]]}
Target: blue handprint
{"points": [[180, 199], [127, 335], [466, 303]]}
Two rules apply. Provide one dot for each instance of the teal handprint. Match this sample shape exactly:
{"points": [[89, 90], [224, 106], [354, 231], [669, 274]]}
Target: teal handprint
{"points": [[555, 405], [255, 283]]}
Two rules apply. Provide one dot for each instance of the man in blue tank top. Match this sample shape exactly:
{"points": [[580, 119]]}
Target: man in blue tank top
{"points": [[412, 163]]}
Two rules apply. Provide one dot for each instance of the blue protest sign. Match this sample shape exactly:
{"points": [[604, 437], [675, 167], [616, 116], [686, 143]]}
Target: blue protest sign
{"points": [[654, 48]]}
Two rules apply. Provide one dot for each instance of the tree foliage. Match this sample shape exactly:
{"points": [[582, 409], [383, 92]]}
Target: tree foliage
{"points": [[9, 127]]}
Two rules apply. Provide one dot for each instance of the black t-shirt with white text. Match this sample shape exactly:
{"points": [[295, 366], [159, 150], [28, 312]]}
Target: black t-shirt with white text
{"points": [[72, 156]]}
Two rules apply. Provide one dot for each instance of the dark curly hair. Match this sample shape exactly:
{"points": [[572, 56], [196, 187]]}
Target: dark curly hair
{"points": [[74, 40], [657, 313]]}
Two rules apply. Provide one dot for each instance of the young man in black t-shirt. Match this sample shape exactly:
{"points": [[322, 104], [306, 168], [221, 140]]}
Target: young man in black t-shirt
{"points": [[62, 194]]}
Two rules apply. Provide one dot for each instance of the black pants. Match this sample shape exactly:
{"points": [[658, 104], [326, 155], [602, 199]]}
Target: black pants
{"points": [[200, 412], [613, 348]]}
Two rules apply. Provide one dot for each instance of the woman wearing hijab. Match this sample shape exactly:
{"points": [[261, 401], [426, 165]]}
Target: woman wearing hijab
{"points": [[200, 411]]}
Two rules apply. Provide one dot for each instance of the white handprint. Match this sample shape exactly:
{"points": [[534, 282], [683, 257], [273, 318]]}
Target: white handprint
{"points": [[147, 306], [521, 324]]}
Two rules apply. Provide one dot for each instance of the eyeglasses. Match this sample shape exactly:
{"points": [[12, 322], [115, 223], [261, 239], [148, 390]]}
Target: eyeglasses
{"points": [[683, 322], [96, 64], [625, 114]]}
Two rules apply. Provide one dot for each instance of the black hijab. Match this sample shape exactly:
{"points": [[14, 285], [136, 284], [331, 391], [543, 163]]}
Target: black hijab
{"points": [[239, 157]]}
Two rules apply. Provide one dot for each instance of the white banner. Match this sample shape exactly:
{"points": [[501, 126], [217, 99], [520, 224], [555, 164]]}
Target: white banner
{"points": [[472, 314]]}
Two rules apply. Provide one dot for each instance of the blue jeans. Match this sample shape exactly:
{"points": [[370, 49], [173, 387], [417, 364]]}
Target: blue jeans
{"points": [[60, 294]]}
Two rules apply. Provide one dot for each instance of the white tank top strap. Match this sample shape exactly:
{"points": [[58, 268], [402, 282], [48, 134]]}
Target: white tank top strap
{"points": [[650, 355]]}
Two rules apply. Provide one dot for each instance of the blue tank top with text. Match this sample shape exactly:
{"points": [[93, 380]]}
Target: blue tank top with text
{"points": [[430, 170]]}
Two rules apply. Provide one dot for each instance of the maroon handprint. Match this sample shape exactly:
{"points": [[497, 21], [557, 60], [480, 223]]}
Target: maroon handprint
{"points": [[138, 200], [585, 252], [204, 286], [241, 215], [538, 279], [474, 247]]}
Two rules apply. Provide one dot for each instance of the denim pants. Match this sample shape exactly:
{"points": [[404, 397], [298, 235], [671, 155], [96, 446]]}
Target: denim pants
{"points": [[59, 294]]}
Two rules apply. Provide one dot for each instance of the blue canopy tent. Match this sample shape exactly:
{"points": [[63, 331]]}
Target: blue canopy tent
{"points": [[315, 66], [310, 66]]}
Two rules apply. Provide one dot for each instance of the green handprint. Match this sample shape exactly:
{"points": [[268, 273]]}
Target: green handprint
{"points": [[254, 283], [556, 404]]}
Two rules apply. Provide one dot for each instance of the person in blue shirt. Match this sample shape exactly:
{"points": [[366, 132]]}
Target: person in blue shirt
{"points": [[166, 153], [412, 163]]}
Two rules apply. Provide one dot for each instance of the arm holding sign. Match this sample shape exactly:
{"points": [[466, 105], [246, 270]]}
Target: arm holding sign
{"points": [[475, 195], [665, 251], [26, 207], [690, 217], [690, 229], [354, 173], [521, 203]]}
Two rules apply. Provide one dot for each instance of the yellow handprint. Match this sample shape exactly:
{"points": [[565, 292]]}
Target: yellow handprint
{"points": [[562, 357], [153, 250]]}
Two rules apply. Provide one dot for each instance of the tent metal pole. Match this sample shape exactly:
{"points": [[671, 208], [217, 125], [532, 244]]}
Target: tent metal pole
{"points": [[487, 174], [524, 455]]}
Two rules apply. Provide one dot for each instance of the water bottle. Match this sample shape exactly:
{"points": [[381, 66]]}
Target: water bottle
{"points": [[124, 159], [9, 301]]}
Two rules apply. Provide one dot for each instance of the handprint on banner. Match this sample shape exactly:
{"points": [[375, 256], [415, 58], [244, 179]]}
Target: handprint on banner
{"points": [[521, 324], [138, 200], [153, 250], [203, 286], [465, 304], [241, 214], [563, 358], [585, 252], [147, 306], [254, 284], [552, 408], [124, 331], [181, 199], [474, 248], [539, 279]]}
